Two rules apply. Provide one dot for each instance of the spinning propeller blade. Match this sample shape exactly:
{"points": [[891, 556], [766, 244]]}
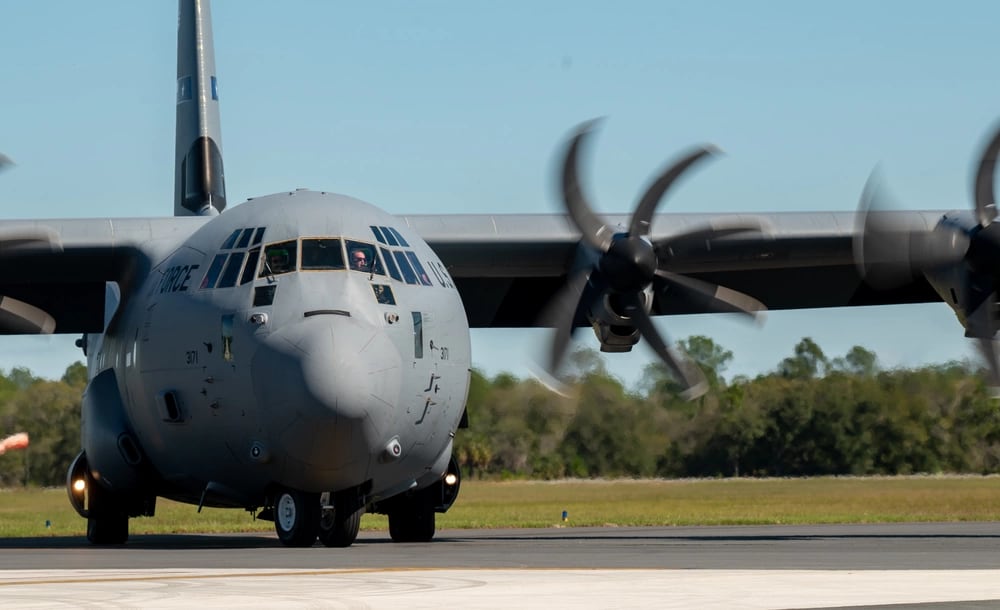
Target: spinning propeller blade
{"points": [[627, 267], [960, 256]]}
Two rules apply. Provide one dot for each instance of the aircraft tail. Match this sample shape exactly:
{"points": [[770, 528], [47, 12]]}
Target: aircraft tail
{"points": [[199, 180]]}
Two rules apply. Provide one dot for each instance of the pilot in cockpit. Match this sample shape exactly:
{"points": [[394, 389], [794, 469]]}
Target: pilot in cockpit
{"points": [[277, 260], [359, 260]]}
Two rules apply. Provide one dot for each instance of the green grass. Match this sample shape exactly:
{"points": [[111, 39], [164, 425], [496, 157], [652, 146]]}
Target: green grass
{"points": [[594, 503]]}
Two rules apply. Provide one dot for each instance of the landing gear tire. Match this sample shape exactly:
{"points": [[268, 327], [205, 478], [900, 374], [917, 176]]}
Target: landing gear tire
{"points": [[339, 532], [110, 529], [296, 517], [414, 525], [107, 523]]}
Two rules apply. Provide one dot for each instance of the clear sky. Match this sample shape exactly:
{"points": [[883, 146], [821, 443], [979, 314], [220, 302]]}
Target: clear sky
{"points": [[447, 107]]}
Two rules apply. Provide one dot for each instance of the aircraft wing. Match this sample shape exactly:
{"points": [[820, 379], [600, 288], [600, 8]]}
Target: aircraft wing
{"points": [[508, 267], [53, 273]]}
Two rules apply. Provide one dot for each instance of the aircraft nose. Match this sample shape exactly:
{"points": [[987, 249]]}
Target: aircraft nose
{"points": [[327, 391]]}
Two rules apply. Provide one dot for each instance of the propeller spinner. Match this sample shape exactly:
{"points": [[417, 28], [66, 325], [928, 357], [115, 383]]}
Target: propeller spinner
{"points": [[622, 268], [960, 256]]}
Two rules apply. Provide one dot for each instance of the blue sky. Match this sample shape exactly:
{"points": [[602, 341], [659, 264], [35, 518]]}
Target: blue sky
{"points": [[446, 107]]}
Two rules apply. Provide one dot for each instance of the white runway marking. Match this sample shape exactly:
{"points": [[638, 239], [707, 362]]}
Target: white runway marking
{"points": [[520, 588]]}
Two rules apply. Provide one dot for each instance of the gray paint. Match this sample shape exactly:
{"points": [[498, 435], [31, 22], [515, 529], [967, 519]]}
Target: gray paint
{"points": [[199, 179]]}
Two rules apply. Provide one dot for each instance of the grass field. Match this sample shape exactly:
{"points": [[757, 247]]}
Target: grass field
{"points": [[46, 512]]}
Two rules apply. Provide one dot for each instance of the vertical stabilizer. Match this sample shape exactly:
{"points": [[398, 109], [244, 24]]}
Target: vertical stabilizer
{"points": [[199, 181]]}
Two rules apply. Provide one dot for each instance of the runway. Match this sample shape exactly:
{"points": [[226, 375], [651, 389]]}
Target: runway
{"points": [[722, 567]]}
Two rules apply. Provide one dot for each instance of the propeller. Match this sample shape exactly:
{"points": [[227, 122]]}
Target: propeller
{"points": [[18, 316], [621, 268], [959, 256]]}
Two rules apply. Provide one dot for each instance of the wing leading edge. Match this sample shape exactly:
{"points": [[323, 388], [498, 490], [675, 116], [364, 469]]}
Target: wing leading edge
{"points": [[507, 267], [54, 273]]}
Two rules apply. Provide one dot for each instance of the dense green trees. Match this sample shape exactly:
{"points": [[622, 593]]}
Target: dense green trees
{"points": [[49, 411], [812, 415]]}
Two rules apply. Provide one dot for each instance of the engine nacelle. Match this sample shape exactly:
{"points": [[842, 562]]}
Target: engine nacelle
{"points": [[613, 329], [113, 454], [968, 290]]}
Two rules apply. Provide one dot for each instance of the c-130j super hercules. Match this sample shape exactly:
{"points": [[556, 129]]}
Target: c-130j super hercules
{"points": [[306, 355]]}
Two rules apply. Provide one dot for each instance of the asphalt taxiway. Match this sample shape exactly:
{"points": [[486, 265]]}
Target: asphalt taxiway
{"points": [[740, 566]]}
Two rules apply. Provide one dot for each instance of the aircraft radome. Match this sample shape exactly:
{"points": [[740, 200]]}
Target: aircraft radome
{"points": [[306, 356]]}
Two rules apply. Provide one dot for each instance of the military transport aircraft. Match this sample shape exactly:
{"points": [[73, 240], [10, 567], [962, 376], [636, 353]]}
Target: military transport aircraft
{"points": [[306, 355]]}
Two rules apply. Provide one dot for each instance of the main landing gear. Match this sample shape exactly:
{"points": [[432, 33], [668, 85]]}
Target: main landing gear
{"points": [[412, 514], [412, 520], [107, 512]]}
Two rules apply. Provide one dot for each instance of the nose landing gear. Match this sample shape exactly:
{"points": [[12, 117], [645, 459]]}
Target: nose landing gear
{"points": [[300, 517], [296, 517]]}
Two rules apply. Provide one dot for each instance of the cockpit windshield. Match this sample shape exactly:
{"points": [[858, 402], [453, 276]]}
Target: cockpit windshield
{"points": [[322, 254], [280, 258], [363, 257]]}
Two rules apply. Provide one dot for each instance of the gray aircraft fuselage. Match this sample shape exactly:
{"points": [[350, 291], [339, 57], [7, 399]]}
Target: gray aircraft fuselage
{"points": [[254, 355]]}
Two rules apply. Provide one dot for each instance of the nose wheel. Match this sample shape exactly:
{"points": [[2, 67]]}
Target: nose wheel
{"points": [[337, 530], [296, 517]]}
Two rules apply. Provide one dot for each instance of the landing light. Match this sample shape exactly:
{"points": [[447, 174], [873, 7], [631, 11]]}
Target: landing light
{"points": [[79, 485], [450, 479]]}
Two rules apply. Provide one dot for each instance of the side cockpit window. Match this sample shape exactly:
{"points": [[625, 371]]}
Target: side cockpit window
{"points": [[405, 268], [280, 258], [250, 270], [391, 265], [322, 254], [418, 268], [213, 271], [232, 271], [364, 257]]}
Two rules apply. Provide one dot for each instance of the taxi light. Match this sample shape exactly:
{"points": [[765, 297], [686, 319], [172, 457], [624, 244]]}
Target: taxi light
{"points": [[79, 485], [450, 479]]}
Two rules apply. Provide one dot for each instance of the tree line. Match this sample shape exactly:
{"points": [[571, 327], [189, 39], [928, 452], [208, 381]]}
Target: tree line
{"points": [[811, 415], [49, 411]]}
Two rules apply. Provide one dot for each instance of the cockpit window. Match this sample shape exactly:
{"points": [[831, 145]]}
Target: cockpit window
{"points": [[322, 254], [363, 257], [389, 237], [250, 269], [232, 271], [231, 240], [259, 235], [421, 274], [404, 266], [391, 265], [398, 237], [245, 238], [213, 271], [377, 232], [279, 258]]}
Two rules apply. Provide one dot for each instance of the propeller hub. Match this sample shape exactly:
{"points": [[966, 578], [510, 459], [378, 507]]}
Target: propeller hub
{"points": [[630, 264]]}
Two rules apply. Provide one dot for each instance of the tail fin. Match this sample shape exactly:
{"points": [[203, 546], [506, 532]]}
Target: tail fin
{"points": [[199, 181]]}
